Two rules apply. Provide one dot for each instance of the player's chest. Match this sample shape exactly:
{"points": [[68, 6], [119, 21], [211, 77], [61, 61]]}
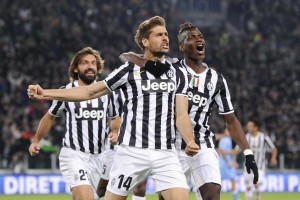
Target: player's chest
{"points": [[94, 109], [200, 90], [156, 85]]}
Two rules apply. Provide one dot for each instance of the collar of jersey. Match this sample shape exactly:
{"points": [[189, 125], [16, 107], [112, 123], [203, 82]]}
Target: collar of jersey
{"points": [[76, 83], [191, 71]]}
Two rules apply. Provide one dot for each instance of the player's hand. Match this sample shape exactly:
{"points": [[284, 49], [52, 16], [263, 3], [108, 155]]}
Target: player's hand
{"points": [[273, 162], [133, 57], [191, 148], [35, 92], [251, 165], [34, 149], [113, 137]]}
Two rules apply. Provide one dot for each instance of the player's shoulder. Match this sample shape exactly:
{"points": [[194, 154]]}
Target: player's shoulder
{"points": [[172, 59], [176, 65], [180, 70], [213, 70], [127, 66], [68, 85], [262, 134]]}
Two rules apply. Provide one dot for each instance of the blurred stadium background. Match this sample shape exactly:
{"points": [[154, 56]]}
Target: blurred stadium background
{"points": [[255, 44]]}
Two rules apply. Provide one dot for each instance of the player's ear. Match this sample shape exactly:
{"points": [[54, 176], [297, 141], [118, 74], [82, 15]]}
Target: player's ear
{"points": [[145, 42], [181, 47]]}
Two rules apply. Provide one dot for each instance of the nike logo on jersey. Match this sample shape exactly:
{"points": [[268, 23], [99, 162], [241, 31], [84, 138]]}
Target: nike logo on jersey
{"points": [[88, 113], [138, 72]]}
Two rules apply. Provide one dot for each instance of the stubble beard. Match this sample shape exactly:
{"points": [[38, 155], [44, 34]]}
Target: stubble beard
{"points": [[158, 54]]}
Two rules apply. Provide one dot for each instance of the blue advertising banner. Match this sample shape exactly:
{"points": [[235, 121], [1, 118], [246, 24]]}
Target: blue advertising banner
{"points": [[54, 184]]}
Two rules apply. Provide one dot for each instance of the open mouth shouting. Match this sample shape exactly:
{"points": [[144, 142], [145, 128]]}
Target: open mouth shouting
{"points": [[200, 48], [165, 45]]}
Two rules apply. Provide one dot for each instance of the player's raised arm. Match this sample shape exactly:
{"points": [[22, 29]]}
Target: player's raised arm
{"points": [[80, 93]]}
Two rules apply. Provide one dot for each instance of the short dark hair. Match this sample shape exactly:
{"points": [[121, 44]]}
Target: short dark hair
{"points": [[183, 28], [255, 122]]}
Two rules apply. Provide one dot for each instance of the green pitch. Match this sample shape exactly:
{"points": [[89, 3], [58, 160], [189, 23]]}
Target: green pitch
{"points": [[224, 196]]}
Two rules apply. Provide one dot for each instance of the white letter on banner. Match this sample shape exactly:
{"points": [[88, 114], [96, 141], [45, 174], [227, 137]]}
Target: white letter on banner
{"points": [[55, 180], [272, 183], [44, 187], [293, 181], [281, 183], [31, 185], [21, 185], [10, 185]]}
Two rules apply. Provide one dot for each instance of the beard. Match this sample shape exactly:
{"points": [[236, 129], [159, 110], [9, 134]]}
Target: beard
{"points": [[158, 54], [87, 79]]}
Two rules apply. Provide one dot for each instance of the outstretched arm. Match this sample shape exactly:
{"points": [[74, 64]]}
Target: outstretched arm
{"points": [[80, 93]]}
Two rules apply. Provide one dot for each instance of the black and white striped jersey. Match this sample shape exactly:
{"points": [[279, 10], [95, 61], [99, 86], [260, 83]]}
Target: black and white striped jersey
{"points": [[148, 110], [117, 99], [204, 90], [259, 144], [86, 122]]}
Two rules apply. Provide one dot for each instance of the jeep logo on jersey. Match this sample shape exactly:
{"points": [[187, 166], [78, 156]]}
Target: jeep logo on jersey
{"points": [[88, 113], [158, 85], [197, 98]]}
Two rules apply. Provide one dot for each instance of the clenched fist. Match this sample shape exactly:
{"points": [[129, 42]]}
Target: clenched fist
{"points": [[191, 148], [35, 92]]}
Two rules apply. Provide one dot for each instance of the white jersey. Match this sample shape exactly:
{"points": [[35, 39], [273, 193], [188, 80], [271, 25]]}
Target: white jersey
{"points": [[204, 90], [117, 99], [259, 144], [86, 122], [148, 110]]}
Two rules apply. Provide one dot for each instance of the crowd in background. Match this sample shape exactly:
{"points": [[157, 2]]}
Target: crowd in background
{"points": [[260, 60]]}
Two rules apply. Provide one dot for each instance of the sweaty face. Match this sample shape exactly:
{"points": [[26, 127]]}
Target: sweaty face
{"points": [[158, 41], [87, 69], [194, 44]]}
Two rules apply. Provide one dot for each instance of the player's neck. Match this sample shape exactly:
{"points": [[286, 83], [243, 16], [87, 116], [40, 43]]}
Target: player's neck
{"points": [[82, 83], [148, 55], [196, 65], [254, 133]]}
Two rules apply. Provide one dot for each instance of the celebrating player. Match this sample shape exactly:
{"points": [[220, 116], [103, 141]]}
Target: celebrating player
{"points": [[147, 131], [86, 121]]}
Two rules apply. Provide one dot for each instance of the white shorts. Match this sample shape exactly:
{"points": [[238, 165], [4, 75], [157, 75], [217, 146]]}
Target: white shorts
{"points": [[133, 165], [248, 178], [107, 161], [203, 168], [80, 168]]}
